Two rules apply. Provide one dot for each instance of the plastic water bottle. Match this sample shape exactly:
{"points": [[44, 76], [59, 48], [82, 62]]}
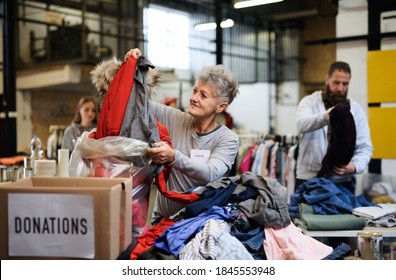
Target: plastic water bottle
{"points": [[36, 148]]}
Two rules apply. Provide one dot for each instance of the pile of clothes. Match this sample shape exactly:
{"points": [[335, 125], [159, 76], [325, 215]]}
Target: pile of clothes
{"points": [[320, 204], [243, 217], [240, 217]]}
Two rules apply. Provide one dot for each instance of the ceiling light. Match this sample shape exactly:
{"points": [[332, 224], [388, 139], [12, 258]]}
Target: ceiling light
{"points": [[227, 23], [205, 26], [251, 3], [212, 25]]}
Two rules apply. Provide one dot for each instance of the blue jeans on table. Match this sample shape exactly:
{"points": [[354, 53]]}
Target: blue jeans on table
{"points": [[252, 237], [349, 185]]}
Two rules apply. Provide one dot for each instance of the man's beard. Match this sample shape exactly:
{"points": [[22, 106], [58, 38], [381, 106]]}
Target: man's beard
{"points": [[331, 99]]}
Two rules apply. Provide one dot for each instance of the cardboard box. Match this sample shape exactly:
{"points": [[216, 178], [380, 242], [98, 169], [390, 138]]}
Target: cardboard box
{"points": [[65, 218]]}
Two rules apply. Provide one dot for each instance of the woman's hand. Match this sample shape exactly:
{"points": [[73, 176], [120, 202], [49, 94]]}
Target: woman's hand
{"points": [[135, 53], [162, 153]]}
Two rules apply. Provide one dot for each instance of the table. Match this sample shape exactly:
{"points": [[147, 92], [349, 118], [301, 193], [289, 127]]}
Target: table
{"points": [[386, 232]]}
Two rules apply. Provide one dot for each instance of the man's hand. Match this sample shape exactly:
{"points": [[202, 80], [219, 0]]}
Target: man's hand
{"points": [[344, 169], [328, 111]]}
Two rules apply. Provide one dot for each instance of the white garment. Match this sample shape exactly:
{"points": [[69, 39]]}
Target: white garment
{"points": [[290, 171], [374, 212], [214, 242]]}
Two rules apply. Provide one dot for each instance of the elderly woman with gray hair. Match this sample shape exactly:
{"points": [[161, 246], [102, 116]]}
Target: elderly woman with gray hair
{"points": [[202, 150]]}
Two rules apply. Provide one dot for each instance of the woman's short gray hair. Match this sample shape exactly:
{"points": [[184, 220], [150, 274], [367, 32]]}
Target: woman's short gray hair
{"points": [[221, 79]]}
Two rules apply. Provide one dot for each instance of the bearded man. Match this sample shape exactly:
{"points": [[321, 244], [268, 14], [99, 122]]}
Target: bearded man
{"points": [[315, 119]]}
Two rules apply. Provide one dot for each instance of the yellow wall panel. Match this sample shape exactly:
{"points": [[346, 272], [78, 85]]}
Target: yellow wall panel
{"points": [[382, 122], [381, 76]]}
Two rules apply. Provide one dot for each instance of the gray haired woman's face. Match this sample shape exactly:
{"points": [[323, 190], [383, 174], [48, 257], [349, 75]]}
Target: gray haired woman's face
{"points": [[203, 101]]}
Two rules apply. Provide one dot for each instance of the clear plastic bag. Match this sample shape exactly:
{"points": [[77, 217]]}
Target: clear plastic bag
{"points": [[112, 156], [121, 157]]}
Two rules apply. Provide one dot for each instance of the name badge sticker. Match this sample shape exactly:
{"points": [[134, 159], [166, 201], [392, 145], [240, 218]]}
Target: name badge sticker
{"points": [[201, 155]]}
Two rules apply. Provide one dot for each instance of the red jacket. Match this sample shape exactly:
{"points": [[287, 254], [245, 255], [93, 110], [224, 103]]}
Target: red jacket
{"points": [[111, 118]]}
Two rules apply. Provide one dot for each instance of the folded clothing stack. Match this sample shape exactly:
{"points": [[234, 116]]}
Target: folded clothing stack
{"points": [[375, 212]]}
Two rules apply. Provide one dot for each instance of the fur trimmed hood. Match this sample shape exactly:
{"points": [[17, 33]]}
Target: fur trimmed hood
{"points": [[103, 74]]}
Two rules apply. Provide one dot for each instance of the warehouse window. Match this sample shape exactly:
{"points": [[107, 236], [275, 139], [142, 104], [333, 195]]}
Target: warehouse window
{"points": [[167, 35]]}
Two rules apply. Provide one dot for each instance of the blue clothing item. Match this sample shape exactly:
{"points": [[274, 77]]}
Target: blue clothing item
{"points": [[327, 197], [214, 242], [210, 197], [231, 249], [257, 159], [251, 236], [294, 211], [269, 156], [339, 252], [349, 185], [177, 235]]}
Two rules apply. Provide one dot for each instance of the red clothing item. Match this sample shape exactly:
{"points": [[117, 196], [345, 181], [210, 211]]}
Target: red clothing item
{"points": [[12, 160], [115, 103], [146, 239], [182, 198], [112, 116], [247, 161]]}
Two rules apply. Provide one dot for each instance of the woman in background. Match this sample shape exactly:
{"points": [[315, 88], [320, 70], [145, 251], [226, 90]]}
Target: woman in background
{"points": [[85, 119]]}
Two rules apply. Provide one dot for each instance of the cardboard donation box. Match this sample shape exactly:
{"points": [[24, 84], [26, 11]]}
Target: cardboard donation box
{"points": [[65, 218]]}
